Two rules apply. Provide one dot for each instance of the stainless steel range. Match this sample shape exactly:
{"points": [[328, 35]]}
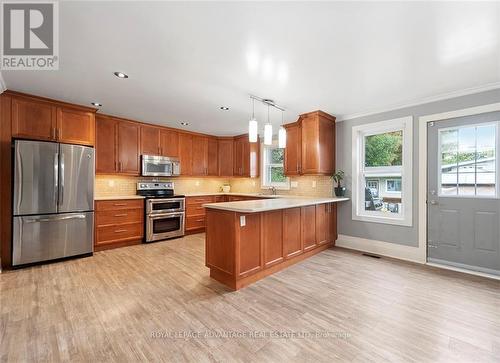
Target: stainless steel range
{"points": [[165, 211]]}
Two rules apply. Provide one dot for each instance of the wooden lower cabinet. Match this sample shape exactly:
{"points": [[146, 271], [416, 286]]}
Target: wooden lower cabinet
{"points": [[243, 248], [118, 223]]}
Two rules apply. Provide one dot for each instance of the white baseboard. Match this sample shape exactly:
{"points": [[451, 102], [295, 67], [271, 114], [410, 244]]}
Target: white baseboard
{"points": [[407, 253]]}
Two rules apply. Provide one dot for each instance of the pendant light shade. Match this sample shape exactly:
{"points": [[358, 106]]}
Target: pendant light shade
{"points": [[253, 128], [268, 134], [282, 137], [282, 133]]}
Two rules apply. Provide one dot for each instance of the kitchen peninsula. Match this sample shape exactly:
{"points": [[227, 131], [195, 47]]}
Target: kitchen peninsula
{"points": [[248, 240]]}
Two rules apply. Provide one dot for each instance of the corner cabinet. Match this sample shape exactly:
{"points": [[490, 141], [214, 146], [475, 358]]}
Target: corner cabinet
{"points": [[117, 146], [310, 147], [36, 119]]}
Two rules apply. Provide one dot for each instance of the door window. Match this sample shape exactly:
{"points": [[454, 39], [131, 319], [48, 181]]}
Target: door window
{"points": [[468, 161]]}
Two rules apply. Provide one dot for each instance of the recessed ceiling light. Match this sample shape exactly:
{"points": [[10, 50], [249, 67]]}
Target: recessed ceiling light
{"points": [[120, 74], [184, 123], [224, 108], [97, 104]]}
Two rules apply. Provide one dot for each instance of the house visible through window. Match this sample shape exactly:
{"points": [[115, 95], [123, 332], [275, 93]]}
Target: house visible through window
{"points": [[383, 158], [273, 168]]}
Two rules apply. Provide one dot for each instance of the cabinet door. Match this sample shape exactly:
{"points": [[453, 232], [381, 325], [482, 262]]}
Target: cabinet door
{"points": [[272, 237], [249, 245], [310, 145], [213, 157], [292, 150], [128, 148], [150, 140], [292, 244], [33, 120], [75, 126], [200, 156], [225, 156], [185, 153], [169, 143], [322, 223], [238, 157], [251, 153], [332, 223], [308, 222], [106, 159]]}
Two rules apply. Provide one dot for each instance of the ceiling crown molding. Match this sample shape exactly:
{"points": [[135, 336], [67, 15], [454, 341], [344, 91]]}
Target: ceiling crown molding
{"points": [[422, 101]]}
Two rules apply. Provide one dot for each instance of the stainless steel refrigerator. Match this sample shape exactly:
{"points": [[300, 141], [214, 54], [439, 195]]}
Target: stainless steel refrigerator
{"points": [[53, 201]]}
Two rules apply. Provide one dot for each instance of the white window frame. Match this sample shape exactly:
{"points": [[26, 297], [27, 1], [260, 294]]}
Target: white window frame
{"points": [[387, 188], [404, 218], [497, 163], [263, 180]]}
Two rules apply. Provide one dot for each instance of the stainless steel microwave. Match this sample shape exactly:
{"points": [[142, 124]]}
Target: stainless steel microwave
{"points": [[153, 165]]}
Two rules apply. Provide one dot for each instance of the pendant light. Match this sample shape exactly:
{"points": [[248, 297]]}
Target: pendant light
{"points": [[253, 126], [282, 134], [268, 130]]}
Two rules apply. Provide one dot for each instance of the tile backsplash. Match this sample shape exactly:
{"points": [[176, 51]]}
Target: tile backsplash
{"points": [[314, 186]]}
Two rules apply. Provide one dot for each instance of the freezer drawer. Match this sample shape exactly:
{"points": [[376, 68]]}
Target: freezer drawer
{"points": [[48, 237]]}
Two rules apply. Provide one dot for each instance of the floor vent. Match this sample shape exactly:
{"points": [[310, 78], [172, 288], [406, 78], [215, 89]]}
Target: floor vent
{"points": [[369, 255]]}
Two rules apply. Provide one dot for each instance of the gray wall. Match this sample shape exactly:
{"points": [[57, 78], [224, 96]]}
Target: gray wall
{"points": [[385, 232]]}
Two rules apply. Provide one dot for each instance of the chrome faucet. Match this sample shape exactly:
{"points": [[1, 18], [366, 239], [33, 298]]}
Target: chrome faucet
{"points": [[273, 190]]}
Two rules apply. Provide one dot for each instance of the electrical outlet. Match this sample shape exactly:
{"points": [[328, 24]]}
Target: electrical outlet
{"points": [[243, 221], [314, 183]]}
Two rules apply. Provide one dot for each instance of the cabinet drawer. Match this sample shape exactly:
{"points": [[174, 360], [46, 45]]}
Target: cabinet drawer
{"points": [[108, 217], [200, 199], [195, 222], [195, 210], [119, 233], [117, 204]]}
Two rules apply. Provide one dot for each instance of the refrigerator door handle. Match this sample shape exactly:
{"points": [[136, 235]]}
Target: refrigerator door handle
{"points": [[61, 186], [56, 177], [52, 219]]}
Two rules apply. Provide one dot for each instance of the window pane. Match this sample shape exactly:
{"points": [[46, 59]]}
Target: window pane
{"points": [[277, 156], [277, 174], [468, 165], [377, 200], [486, 160], [384, 149]]}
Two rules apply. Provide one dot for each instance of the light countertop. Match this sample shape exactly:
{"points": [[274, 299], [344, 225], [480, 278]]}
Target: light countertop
{"points": [[264, 205], [257, 195]]}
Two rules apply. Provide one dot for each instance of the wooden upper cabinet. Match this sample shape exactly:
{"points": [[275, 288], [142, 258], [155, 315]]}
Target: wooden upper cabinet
{"points": [[200, 156], [311, 145], [185, 153], [293, 151], [150, 140], [128, 147], [213, 157], [33, 120], [106, 158], [246, 157], [46, 120], [225, 157], [75, 126], [169, 143]]}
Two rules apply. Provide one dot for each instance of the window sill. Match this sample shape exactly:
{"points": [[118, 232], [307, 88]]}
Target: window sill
{"points": [[384, 220]]}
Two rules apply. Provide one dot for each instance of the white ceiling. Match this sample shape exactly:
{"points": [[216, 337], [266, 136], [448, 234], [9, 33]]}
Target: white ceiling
{"points": [[185, 60]]}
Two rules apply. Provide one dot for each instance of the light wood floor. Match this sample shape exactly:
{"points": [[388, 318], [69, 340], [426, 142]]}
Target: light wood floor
{"points": [[106, 308]]}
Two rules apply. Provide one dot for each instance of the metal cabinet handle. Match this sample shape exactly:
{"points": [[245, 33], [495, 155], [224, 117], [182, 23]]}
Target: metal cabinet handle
{"points": [[121, 215], [120, 204], [200, 220], [120, 230]]}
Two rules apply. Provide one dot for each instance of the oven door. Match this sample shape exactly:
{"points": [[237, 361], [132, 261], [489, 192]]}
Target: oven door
{"points": [[162, 226], [156, 166], [160, 206]]}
